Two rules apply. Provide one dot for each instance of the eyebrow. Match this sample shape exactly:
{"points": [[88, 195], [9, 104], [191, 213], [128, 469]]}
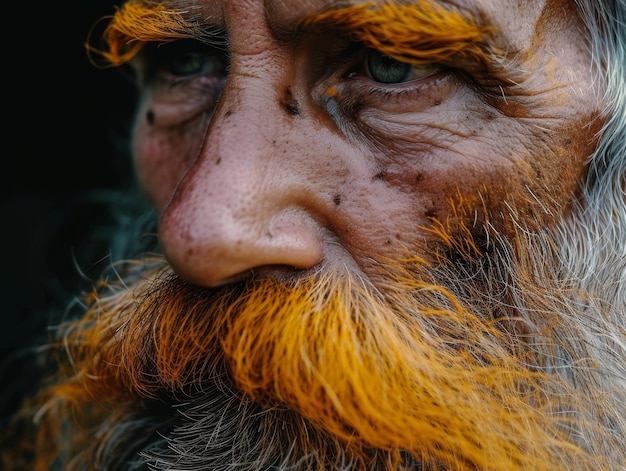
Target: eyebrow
{"points": [[136, 23], [420, 32]]}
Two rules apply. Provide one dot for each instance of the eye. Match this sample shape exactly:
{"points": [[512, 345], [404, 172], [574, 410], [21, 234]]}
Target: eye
{"points": [[188, 63], [185, 59], [384, 69], [182, 80]]}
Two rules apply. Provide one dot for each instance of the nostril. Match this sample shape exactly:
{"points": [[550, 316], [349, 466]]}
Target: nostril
{"points": [[231, 280], [280, 273]]}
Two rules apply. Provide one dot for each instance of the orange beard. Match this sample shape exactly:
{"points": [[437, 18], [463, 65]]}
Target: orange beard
{"points": [[410, 370]]}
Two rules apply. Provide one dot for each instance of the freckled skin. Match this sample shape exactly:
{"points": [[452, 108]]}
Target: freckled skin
{"points": [[284, 176]]}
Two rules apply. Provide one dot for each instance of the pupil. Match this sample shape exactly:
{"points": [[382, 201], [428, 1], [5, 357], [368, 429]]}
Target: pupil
{"points": [[186, 64], [385, 69]]}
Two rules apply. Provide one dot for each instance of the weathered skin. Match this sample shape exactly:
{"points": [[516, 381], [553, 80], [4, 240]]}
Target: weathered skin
{"points": [[278, 182]]}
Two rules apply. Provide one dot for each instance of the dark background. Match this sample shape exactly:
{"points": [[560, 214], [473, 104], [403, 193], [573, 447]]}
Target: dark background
{"points": [[64, 149]]}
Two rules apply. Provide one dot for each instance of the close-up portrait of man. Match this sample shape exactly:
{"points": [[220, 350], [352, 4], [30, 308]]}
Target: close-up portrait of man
{"points": [[383, 235]]}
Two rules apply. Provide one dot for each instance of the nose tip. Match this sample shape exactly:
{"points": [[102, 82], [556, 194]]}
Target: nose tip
{"points": [[211, 245]]}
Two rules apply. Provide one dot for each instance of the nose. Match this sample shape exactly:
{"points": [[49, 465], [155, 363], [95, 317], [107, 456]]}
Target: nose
{"points": [[248, 202]]}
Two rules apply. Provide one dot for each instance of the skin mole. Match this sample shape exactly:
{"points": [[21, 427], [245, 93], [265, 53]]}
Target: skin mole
{"points": [[289, 104], [382, 175], [431, 212]]}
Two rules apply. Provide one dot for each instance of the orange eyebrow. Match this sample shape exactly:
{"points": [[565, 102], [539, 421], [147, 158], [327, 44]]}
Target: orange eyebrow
{"points": [[136, 23], [418, 33]]}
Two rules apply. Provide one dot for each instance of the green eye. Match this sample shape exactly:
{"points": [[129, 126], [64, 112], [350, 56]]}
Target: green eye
{"points": [[185, 58], [385, 69], [188, 63]]}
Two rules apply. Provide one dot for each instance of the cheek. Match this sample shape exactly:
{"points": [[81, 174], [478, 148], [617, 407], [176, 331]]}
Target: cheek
{"points": [[482, 166], [162, 156]]}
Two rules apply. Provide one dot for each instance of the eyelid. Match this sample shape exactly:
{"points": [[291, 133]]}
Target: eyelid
{"points": [[160, 61], [349, 90]]}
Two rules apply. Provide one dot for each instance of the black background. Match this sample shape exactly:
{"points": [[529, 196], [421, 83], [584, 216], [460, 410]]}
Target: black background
{"points": [[64, 147]]}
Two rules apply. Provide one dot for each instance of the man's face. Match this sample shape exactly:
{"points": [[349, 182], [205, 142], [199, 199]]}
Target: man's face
{"points": [[355, 207], [287, 147]]}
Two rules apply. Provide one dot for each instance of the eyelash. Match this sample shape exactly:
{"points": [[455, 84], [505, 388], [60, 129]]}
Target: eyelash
{"points": [[345, 62], [363, 90], [159, 64]]}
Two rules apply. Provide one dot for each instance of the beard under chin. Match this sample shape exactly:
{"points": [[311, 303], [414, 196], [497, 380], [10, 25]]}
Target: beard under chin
{"points": [[325, 372]]}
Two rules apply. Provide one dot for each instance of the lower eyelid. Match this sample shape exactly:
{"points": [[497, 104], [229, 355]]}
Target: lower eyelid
{"points": [[170, 115], [183, 99], [173, 82], [358, 92]]}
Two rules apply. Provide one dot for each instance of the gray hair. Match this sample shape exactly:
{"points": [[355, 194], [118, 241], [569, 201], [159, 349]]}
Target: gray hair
{"points": [[585, 274]]}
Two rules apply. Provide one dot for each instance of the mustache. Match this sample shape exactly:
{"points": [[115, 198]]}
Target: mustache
{"points": [[405, 367]]}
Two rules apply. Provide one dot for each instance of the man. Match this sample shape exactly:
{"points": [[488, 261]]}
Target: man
{"points": [[394, 237]]}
